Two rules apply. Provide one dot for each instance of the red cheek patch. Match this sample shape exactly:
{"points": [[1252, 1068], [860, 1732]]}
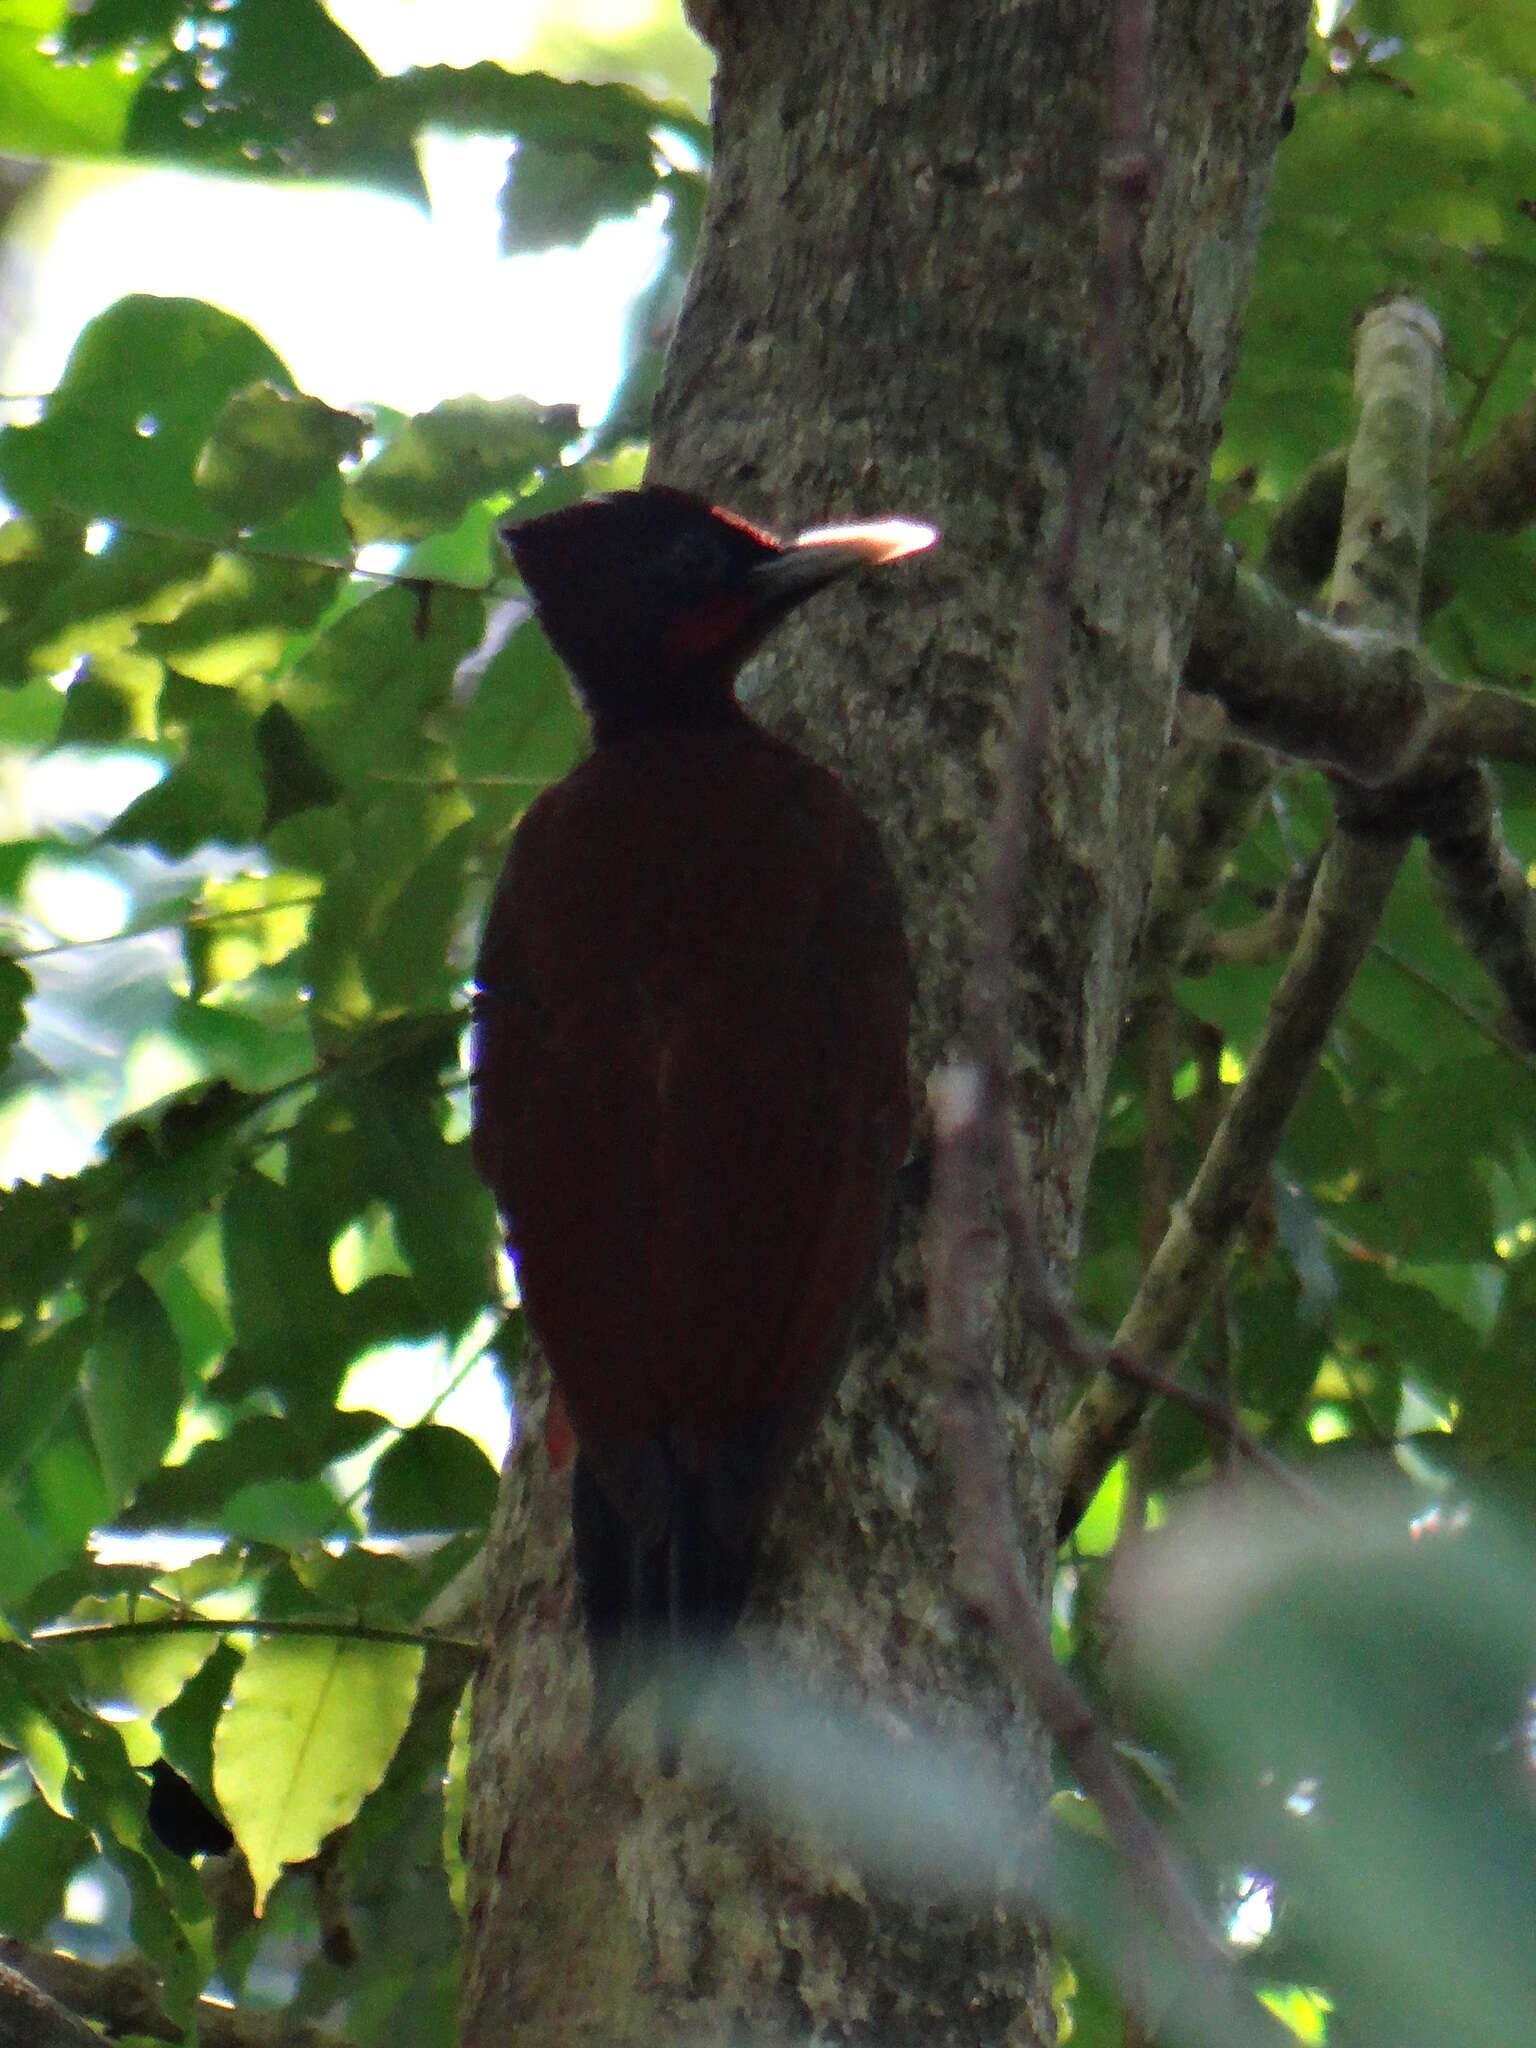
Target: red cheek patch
{"points": [[708, 628]]}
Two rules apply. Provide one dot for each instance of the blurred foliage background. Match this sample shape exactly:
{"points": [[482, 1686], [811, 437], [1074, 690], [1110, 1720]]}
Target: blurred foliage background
{"points": [[271, 707]]}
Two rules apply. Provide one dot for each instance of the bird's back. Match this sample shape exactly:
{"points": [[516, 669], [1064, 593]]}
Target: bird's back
{"points": [[691, 1098]]}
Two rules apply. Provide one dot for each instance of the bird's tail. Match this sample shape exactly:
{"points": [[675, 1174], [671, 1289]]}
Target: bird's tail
{"points": [[655, 1606]]}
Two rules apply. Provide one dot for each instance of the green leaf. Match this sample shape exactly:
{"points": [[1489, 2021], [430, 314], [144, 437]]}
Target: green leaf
{"points": [[37, 1382], [244, 1044], [196, 1494], [143, 387], [432, 1478], [412, 938], [523, 726], [365, 690], [63, 1494], [270, 449], [143, 1676], [445, 1220], [15, 988], [483, 99], [48, 107], [557, 193], [216, 791], [288, 1514], [255, 99], [61, 604], [43, 1850], [1497, 1426], [82, 1768], [239, 617], [131, 1386], [307, 1735], [393, 870], [1391, 1673], [428, 474], [1433, 1199], [289, 1320]]}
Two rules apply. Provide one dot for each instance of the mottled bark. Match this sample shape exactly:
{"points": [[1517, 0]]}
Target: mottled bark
{"points": [[890, 313]]}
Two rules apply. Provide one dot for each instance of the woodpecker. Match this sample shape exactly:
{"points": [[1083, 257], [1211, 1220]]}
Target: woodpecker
{"points": [[689, 1060]]}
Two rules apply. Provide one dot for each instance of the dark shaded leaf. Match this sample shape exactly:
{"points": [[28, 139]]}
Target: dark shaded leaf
{"points": [[271, 449], [43, 1850], [37, 1383], [293, 776], [262, 1448], [556, 194], [290, 1323], [484, 99], [254, 97], [132, 1385], [428, 474], [15, 988], [432, 1478]]}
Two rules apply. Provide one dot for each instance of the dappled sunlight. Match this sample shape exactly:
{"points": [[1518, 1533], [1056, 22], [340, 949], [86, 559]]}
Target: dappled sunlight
{"points": [[1251, 1913], [458, 1386], [365, 296], [74, 902]]}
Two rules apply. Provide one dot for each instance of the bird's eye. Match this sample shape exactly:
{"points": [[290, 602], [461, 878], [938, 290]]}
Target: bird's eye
{"points": [[697, 558]]}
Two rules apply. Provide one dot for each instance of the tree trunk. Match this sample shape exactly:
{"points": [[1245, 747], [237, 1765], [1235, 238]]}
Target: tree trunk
{"points": [[892, 311]]}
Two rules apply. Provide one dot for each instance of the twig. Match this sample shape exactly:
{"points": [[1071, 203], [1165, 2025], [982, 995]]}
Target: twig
{"points": [[974, 1135], [261, 551], [1157, 1123], [1263, 940], [989, 1552], [347, 1631], [1216, 786], [191, 920], [1127, 1364]]}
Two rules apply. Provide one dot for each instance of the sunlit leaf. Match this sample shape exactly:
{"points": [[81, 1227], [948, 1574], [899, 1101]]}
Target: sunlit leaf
{"points": [[308, 1732]]}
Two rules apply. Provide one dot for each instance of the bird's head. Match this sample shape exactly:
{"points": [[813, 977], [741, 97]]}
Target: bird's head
{"points": [[653, 599]]}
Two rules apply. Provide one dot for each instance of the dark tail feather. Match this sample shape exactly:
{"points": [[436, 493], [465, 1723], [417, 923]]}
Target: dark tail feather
{"points": [[657, 1607]]}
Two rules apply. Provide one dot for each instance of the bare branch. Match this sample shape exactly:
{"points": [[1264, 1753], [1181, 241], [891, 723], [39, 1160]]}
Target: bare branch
{"points": [[1484, 893], [1494, 491], [1216, 785], [1378, 576], [1355, 702], [29, 2018], [124, 1998]]}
